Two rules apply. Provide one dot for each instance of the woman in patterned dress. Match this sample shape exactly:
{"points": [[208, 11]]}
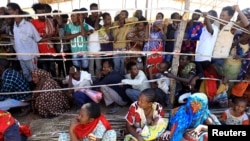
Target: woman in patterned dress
{"points": [[48, 103]]}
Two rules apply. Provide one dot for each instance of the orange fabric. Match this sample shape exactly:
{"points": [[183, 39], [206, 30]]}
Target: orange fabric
{"points": [[247, 95], [245, 122], [6, 120], [224, 116], [44, 47], [210, 85], [83, 130], [239, 89]]}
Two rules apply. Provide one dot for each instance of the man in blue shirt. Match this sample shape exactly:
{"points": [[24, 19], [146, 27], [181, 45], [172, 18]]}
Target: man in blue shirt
{"points": [[113, 95]]}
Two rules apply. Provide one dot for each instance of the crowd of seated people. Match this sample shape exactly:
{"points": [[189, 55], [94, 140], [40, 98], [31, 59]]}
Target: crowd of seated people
{"points": [[118, 80]]}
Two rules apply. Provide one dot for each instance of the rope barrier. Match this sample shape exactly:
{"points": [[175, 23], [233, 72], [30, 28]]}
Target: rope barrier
{"points": [[107, 85], [108, 53], [37, 54], [56, 54], [89, 11], [163, 8]]}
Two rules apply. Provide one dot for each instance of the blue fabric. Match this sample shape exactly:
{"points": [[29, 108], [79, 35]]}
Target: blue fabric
{"points": [[168, 58], [184, 118], [245, 63], [154, 44], [12, 133], [195, 31], [80, 61], [13, 81], [81, 98], [239, 50], [119, 60], [133, 94]]}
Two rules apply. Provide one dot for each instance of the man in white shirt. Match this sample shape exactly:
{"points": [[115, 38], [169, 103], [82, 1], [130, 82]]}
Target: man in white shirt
{"points": [[207, 41], [25, 38], [137, 79], [227, 14]]}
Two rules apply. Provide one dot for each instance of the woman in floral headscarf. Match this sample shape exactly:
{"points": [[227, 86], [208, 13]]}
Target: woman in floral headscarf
{"points": [[155, 35], [191, 118], [49, 103]]}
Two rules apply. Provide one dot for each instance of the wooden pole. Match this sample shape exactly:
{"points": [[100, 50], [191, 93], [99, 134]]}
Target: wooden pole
{"points": [[151, 10], [178, 44], [122, 4], [146, 11], [58, 7]]}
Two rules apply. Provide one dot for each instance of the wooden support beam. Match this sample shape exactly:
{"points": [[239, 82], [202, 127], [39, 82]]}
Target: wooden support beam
{"points": [[178, 44], [146, 11]]}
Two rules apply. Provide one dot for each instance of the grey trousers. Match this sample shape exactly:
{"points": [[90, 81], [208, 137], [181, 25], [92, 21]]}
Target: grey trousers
{"points": [[94, 65]]}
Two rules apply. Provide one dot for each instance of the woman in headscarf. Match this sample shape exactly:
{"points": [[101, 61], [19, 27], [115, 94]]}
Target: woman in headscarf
{"points": [[191, 119], [155, 35], [48, 103]]}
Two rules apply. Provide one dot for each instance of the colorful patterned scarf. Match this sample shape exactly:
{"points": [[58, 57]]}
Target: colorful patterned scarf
{"points": [[190, 115]]}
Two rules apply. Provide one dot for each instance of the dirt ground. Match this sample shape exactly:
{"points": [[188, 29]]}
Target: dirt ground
{"points": [[49, 129]]}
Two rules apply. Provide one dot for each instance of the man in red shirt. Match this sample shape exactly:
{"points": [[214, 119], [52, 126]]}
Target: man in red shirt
{"points": [[46, 29]]}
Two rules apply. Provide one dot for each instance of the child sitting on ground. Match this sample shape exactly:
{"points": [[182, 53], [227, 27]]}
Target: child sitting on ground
{"points": [[236, 115]]}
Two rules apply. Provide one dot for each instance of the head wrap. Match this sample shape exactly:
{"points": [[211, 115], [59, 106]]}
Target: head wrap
{"points": [[190, 115], [42, 73]]}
